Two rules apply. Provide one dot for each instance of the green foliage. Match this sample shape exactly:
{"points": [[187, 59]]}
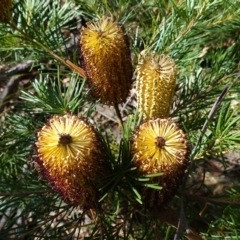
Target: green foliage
{"points": [[203, 38], [54, 98], [15, 148], [38, 34]]}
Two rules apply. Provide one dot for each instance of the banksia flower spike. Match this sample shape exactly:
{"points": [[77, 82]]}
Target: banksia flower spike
{"points": [[5, 7], [160, 146], [71, 158], [106, 59], [156, 80]]}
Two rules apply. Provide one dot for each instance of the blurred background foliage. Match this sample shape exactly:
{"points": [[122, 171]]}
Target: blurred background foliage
{"points": [[202, 36]]}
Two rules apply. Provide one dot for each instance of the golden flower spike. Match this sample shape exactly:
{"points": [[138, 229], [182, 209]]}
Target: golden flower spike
{"points": [[106, 59], [159, 146], [156, 80], [5, 7], [72, 159]]}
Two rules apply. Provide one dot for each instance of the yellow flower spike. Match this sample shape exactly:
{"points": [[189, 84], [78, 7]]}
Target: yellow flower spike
{"points": [[160, 146], [106, 59], [156, 81], [5, 6], [71, 158]]}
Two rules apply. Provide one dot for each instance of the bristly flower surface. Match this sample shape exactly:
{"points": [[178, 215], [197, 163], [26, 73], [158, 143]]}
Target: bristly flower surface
{"points": [[106, 58], [71, 158], [5, 6], [156, 81], [160, 146]]}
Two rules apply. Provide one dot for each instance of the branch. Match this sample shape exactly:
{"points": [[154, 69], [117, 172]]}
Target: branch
{"points": [[24, 193], [172, 218]]}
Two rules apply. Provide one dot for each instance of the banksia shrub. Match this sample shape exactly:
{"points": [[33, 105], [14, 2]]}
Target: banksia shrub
{"points": [[160, 146], [156, 80], [71, 158], [106, 58], [5, 7]]}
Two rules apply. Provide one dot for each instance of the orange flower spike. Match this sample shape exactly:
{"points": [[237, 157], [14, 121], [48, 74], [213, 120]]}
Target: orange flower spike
{"points": [[5, 6], [156, 81], [106, 58], [160, 146], [71, 158]]}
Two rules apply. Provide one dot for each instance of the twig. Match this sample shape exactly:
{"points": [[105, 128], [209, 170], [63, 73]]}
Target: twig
{"points": [[206, 199], [182, 223], [24, 193], [172, 218], [12, 87], [119, 115], [74, 67]]}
